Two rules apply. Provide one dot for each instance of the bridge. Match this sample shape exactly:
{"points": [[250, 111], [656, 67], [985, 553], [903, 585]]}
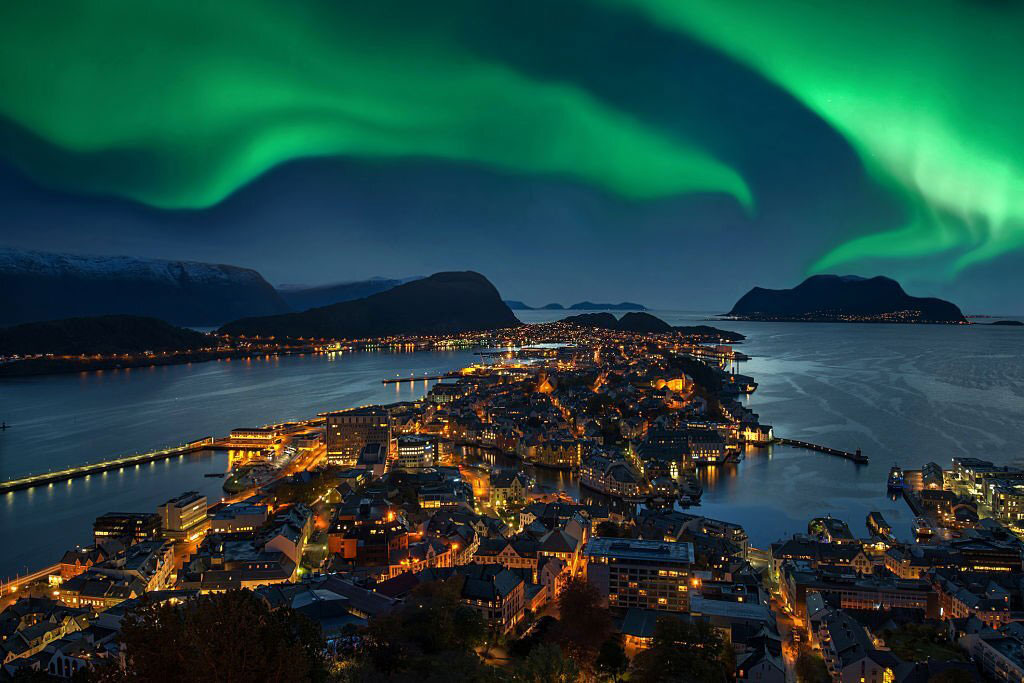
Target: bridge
{"points": [[855, 456], [416, 378], [47, 478]]}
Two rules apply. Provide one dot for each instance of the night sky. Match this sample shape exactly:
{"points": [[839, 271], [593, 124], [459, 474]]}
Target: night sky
{"points": [[668, 152]]}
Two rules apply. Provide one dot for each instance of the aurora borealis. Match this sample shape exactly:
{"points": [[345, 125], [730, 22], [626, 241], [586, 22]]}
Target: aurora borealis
{"points": [[867, 137]]}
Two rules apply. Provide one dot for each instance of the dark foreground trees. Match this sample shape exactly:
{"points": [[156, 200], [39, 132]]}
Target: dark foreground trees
{"points": [[231, 637], [682, 652]]}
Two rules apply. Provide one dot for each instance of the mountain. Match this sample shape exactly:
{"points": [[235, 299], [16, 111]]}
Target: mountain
{"points": [[444, 303], [300, 298], [644, 323], [552, 307], [591, 306], [38, 285], [106, 334], [844, 298], [518, 305]]}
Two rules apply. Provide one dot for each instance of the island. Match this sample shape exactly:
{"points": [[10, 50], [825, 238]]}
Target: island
{"points": [[847, 298], [1008, 323]]}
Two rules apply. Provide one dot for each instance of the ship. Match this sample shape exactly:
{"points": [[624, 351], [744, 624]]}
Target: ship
{"points": [[895, 478]]}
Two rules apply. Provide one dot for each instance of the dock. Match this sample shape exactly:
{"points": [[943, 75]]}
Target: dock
{"points": [[855, 456], [416, 378], [86, 470]]}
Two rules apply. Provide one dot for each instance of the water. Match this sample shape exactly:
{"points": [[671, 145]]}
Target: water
{"points": [[66, 420], [902, 393]]}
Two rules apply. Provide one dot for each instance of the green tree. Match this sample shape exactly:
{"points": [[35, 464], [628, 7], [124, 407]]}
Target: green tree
{"points": [[546, 664], [230, 637], [682, 652], [611, 661], [810, 668], [583, 623]]}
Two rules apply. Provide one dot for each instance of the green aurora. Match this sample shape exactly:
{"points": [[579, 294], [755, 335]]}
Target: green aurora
{"points": [[212, 94], [930, 93], [178, 105]]}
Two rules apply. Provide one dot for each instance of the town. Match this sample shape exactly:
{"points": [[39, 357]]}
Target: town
{"points": [[369, 522]]}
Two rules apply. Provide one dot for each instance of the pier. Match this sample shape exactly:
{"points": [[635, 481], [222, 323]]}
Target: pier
{"points": [[102, 466], [855, 456], [416, 378]]}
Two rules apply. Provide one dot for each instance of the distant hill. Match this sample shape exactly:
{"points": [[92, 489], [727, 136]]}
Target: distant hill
{"points": [[37, 285], [301, 298], [107, 334], [443, 303], [844, 298], [552, 307], [1008, 323], [645, 323], [518, 305], [591, 306]]}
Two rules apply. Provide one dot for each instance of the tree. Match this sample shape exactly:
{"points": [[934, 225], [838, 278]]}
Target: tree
{"points": [[546, 664], [230, 637], [611, 659], [682, 652], [810, 668], [609, 529], [583, 623], [432, 636]]}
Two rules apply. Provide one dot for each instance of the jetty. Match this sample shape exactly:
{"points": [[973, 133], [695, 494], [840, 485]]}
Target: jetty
{"points": [[416, 378], [855, 456], [88, 469]]}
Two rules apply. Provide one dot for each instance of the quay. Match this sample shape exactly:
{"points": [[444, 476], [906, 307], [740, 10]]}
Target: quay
{"points": [[415, 378], [856, 456], [103, 466]]}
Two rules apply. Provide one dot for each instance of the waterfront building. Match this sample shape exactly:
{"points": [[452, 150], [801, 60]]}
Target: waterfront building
{"points": [[79, 559], [416, 452], [645, 574], [508, 487], [127, 527], [348, 432], [183, 517], [238, 518], [850, 591]]}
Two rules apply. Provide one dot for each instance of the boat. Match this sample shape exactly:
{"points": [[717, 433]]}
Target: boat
{"points": [[922, 528], [895, 478], [878, 526]]}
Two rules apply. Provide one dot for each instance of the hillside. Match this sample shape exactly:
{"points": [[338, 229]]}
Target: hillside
{"points": [[108, 334], [443, 303], [38, 286], [303, 298], [847, 298]]}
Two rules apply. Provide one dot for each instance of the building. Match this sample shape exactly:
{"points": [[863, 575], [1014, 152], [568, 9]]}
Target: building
{"points": [[184, 517], [348, 432], [416, 452], [849, 653], [508, 487], [643, 574], [127, 527], [238, 518]]}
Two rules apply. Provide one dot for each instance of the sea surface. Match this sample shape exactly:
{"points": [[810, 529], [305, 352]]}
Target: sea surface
{"points": [[902, 393]]}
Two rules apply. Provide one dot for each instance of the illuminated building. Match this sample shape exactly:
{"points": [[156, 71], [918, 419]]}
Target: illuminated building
{"points": [[349, 431], [182, 518], [645, 574], [416, 452], [128, 527]]}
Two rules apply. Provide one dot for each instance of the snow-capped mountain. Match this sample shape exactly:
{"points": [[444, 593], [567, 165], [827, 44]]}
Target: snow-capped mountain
{"points": [[38, 285]]}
